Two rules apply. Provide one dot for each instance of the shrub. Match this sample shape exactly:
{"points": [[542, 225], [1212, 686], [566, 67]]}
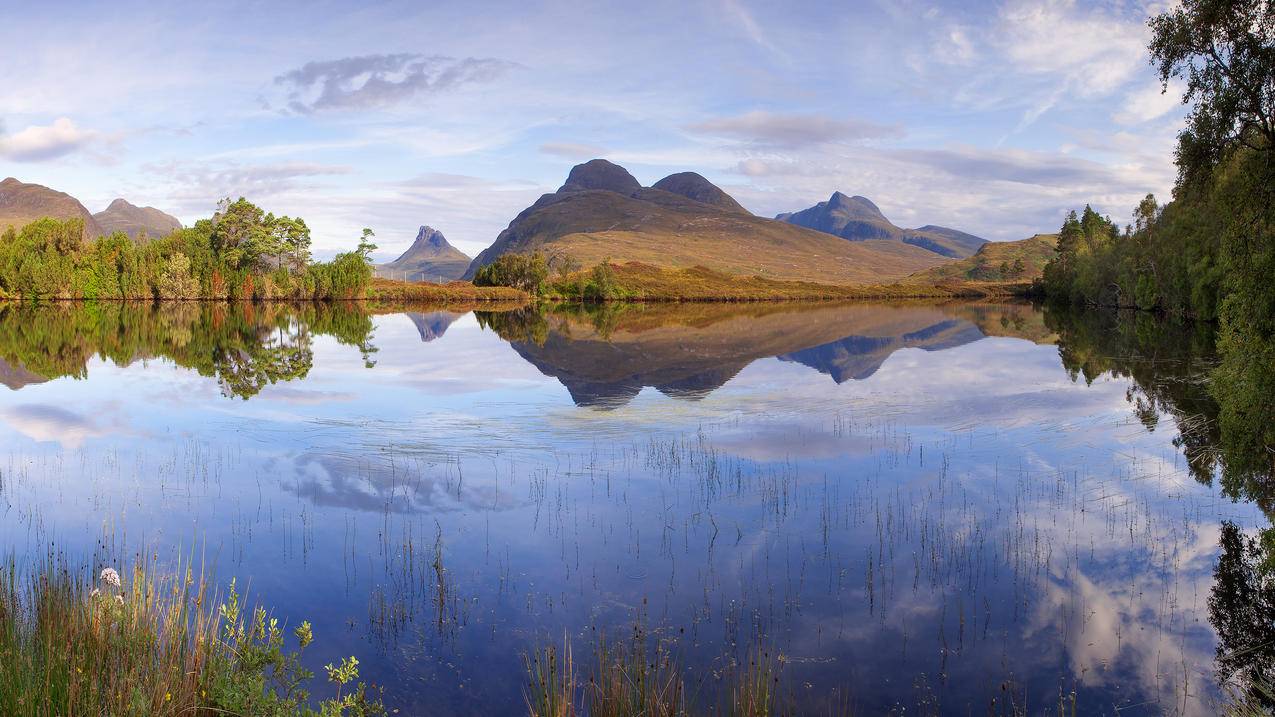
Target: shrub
{"points": [[520, 271]]}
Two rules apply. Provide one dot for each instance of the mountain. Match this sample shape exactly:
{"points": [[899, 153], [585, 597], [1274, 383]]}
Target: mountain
{"points": [[22, 203], [430, 258], [858, 219], [694, 186], [683, 221], [992, 259], [121, 216]]}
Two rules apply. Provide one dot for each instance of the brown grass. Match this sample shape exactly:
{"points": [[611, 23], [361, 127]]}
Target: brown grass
{"points": [[453, 292], [646, 282]]}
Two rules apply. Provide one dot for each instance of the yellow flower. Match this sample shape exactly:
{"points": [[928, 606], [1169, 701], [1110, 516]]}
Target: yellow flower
{"points": [[168, 696]]}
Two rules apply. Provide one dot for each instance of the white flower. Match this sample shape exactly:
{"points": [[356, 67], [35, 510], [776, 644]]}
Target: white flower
{"points": [[110, 577], [94, 593], [119, 599]]}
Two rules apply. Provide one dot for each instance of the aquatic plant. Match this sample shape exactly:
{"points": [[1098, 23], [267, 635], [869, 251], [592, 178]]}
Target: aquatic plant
{"points": [[156, 647]]}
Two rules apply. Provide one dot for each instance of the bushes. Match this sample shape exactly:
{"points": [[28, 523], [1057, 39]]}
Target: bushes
{"points": [[520, 271], [240, 254]]}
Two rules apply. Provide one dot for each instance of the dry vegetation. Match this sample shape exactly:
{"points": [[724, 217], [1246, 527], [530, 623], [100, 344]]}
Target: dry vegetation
{"points": [[390, 290], [985, 267], [646, 282]]}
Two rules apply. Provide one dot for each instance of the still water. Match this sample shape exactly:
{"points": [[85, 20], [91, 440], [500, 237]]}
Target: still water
{"points": [[956, 508]]}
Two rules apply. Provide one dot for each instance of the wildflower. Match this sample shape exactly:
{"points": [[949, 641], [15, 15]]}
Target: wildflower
{"points": [[119, 599], [94, 593], [110, 577]]}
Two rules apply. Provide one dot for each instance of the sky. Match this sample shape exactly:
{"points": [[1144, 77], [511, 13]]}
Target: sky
{"points": [[992, 118]]}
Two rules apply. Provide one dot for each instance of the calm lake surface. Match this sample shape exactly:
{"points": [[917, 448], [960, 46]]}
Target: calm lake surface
{"points": [[957, 508]]}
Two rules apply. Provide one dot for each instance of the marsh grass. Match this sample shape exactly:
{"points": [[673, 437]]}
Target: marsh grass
{"points": [[150, 642], [641, 676]]}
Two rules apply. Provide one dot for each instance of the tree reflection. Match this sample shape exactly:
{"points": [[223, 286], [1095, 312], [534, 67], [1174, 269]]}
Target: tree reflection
{"points": [[1242, 611], [244, 347], [1219, 399]]}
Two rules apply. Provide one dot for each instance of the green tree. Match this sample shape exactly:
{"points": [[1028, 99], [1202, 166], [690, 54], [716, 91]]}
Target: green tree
{"points": [[521, 271]]}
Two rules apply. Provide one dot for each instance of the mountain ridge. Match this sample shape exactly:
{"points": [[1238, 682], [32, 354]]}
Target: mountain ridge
{"points": [[857, 218], [22, 203], [683, 221]]}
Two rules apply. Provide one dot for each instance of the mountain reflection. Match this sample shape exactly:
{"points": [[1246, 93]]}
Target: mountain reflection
{"points": [[605, 357]]}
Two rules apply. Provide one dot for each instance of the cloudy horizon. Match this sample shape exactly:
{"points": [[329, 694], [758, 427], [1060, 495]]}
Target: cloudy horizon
{"points": [[994, 120]]}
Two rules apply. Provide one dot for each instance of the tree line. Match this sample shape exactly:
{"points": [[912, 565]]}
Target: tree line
{"points": [[241, 253]]}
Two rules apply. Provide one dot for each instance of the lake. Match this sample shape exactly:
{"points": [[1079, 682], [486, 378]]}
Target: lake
{"points": [[934, 508]]}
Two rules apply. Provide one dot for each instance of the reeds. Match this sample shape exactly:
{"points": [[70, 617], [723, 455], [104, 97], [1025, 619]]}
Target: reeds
{"points": [[149, 643], [643, 677]]}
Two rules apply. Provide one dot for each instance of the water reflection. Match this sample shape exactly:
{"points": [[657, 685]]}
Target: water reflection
{"points": [[604, 357], [245, 347], [938, 508]]}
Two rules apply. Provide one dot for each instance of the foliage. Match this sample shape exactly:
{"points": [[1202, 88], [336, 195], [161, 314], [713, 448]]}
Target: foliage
{"points": [[526, 272], [153, 645], [241, 253]]}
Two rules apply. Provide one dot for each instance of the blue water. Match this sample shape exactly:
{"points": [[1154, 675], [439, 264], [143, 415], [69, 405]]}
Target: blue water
{"points": [[916, 506]]}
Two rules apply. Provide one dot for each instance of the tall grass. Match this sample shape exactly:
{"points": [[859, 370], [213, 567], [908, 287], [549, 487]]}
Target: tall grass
{"points": [[150, 642], [641, 677]]}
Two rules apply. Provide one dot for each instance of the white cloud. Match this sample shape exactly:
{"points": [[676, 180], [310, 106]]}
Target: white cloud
{"points": [[39, 143], [1148, 103]]}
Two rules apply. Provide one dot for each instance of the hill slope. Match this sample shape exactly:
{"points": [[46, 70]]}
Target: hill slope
{"points": [[858, 219], [987, 264], [430, 258], [602, 211], [122, 216], [22, 203]]}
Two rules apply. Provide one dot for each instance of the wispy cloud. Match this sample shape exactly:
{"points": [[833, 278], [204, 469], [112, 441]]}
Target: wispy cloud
{"points": [[572, 150], [197, 187], [1148, 102], [371, 81], [792, 130]]}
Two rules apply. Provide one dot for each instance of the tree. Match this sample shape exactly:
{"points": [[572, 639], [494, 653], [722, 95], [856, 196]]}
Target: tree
{"points": [[239, 231], [1017, 269], [292, 239], [366, 247], [1225, 51], [520, 271]]}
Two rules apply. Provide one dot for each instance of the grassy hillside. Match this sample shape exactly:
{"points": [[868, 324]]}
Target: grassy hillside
{"points": [[641, 282], [989, 264], [603, 212], [22, 203], [673, 232]]}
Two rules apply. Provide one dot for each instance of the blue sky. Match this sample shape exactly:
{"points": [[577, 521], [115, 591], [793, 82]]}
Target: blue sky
{"points": [[992, 118]]}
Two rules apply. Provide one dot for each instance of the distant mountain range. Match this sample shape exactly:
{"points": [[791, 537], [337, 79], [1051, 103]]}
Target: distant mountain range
{"points": [[684, 220], [429, 258], [858, 219], [602, 212], [22, 203], [121, 216]]}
